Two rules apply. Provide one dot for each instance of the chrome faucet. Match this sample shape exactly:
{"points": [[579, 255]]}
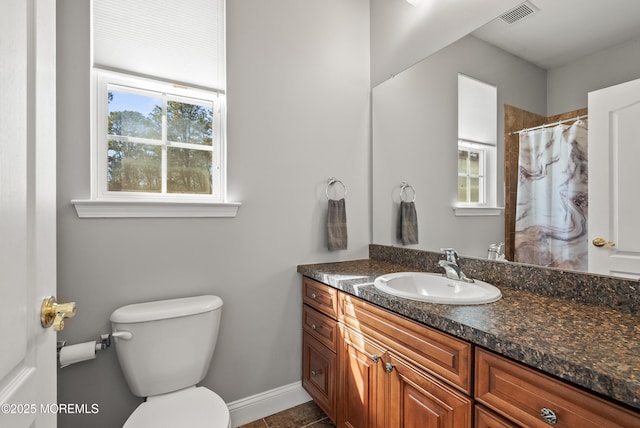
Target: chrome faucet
{"points": [[496, 251], [451, 267]]}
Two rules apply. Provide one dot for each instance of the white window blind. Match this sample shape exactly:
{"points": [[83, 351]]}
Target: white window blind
{"points": [[477, 110], [177, 41]]}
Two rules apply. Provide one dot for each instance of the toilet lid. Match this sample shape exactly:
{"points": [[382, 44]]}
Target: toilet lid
{"points": [[194, 407]]}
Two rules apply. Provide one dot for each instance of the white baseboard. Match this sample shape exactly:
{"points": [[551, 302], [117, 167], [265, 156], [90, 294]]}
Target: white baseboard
{"points": [[267, 403]]}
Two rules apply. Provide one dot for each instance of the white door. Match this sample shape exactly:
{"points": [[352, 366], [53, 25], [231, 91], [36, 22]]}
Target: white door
{"points": [[27, 211], [614, 180]]}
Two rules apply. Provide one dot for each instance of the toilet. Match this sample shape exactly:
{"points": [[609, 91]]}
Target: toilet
{"points": [[164, 349]]}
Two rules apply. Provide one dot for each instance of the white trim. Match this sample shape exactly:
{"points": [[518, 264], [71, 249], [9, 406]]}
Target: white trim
{"points": [[127, 209], [477, 211], [267, 403]]}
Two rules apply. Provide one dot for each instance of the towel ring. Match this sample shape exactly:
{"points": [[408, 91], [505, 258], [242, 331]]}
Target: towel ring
{"points": [[330, 183], [403, 188]]}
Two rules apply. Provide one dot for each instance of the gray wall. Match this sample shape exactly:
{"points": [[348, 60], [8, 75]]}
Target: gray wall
{"points": [[298, 103], [568, 86], [415, 134]]}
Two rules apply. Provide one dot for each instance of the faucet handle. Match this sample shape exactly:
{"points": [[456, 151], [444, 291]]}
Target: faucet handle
{"points": [[451, 255]]}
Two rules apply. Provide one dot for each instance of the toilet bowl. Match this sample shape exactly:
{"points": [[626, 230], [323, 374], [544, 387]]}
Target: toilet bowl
{"points": [[167, 353]]}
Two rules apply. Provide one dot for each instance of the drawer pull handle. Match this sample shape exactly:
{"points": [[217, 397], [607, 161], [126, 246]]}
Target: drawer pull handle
{"points": [[314, 295], [315, 373], [549, 416], [375, 358], [388, 367]]}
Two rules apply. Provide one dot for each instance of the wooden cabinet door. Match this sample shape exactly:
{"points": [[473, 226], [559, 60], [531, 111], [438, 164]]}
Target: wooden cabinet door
{"points": [[362, 383], [418, 400], [319, 374]]}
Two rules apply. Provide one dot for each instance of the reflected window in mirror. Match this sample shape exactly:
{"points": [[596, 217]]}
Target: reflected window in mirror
{"points": [[477, 153], [471, 173]]}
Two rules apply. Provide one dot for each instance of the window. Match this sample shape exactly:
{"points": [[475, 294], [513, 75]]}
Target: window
{"points": [[156, 140], [477, 157], [158, 110], [471, 175]]}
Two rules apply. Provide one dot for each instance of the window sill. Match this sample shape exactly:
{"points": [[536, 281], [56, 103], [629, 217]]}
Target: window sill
{"points": [[146, 209], [477, 211]]}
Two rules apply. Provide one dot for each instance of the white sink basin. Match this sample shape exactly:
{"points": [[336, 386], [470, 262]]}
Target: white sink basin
{"points": [[436, 288]]}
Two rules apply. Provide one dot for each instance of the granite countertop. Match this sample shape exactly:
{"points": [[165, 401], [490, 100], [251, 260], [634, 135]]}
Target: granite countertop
{"points": [[595, 347]]}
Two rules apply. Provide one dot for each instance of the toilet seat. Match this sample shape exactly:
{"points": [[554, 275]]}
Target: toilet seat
{"points": [[194, 407]]}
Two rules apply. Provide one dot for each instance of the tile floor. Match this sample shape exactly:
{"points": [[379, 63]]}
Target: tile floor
{"points": [[307, 415]]}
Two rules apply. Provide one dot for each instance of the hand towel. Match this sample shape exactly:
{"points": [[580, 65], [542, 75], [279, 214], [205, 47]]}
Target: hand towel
{"points": [[408, 229], [337, 225]]}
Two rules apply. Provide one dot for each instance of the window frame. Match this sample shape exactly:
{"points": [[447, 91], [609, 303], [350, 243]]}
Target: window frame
{"points": [[104, 82], [105, 203], [484, 153]]}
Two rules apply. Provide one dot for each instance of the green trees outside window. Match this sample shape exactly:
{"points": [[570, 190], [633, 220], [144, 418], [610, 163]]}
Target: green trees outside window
{"points": [[157, 144]]}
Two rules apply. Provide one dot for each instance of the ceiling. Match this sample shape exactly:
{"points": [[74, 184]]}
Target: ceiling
{"points": [[562, 31]]}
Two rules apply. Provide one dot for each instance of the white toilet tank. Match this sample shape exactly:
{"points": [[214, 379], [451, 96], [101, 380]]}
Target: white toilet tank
{"points": [[171, 345]]}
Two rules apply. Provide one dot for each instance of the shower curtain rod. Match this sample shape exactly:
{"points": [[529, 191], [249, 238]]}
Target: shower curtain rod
{"points": [[549, 124]]}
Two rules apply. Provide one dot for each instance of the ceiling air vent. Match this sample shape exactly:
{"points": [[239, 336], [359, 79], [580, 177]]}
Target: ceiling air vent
{"points": [[518, 13]]}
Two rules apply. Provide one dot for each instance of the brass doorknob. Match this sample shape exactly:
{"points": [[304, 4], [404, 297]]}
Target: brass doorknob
{"points": [[53, 314], [601, 242]]}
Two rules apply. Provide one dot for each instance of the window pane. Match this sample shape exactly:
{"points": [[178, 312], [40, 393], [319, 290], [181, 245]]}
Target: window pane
{"points": [[463, 157], [462, 189], [189, 123], [474, 194], [474, 163], [134, 115], [189, 171], [134, 167]]}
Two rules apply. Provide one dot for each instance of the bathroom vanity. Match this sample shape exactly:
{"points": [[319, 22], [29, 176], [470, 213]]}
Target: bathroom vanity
{"points": [[374, 360]]}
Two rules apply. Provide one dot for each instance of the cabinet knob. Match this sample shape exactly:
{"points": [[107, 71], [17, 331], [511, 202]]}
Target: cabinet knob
{"points": [[388, 367], [313, 327], [375, 358], [314, 295], [549, 416], [315, 373]]}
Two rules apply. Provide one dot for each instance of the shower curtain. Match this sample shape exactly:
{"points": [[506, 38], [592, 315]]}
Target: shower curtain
{"points": [[552, 205]]}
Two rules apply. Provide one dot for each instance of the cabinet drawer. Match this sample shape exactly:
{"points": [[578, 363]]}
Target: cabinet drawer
{"points": [[319, 374], [320, 326], [320, 297], [487, 419], [436, 352], [520, 394]]}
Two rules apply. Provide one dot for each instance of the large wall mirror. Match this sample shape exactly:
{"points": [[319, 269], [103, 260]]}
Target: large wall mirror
{"points": [[543, 65]]}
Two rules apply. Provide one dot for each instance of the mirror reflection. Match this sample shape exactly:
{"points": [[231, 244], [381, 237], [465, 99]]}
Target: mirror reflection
{"points": [[543, 68]]}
